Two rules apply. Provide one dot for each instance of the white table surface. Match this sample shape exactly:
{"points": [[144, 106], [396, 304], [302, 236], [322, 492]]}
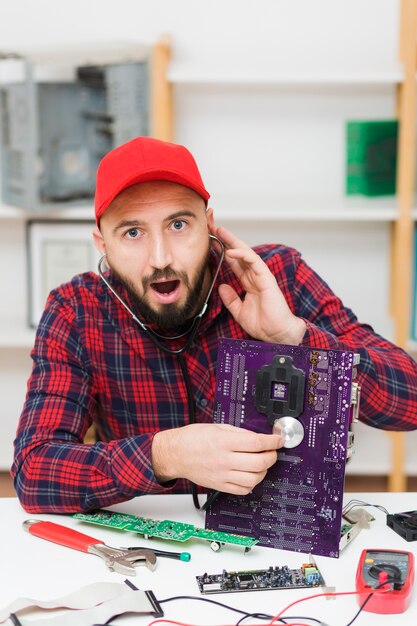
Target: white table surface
{"points": [[33, 567]]}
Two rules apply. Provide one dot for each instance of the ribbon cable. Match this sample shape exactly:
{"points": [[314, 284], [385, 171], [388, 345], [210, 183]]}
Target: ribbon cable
{"points": [[96, 603]]}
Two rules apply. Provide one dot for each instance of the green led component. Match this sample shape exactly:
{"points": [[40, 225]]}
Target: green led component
{"points": [[345, 529], [163, 529]]}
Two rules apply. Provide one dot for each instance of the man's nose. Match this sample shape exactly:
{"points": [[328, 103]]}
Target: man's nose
{"points": [[160, 254]]}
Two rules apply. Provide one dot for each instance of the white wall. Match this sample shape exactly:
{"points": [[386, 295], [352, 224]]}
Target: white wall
{"points": [[212, 32]]}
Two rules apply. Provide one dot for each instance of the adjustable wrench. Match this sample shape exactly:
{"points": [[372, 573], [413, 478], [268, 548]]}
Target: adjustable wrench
{"points": [[117, 560]]}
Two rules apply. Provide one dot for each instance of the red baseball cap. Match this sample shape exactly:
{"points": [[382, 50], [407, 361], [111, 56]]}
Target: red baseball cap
{"points": [[142, 160]]}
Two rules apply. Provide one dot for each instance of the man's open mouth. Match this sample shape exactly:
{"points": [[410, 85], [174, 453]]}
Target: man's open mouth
{"points": [[166, 286]]}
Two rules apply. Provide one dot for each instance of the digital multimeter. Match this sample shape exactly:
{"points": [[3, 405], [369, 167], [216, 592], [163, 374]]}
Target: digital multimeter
{"points": [[394, 567]]}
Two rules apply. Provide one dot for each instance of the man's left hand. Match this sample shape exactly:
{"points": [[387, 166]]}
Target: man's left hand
{"points": [[263, 313]]}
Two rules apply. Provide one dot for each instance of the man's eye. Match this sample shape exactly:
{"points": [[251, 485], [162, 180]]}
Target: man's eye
{"points": [[132, 233], [178, 224]]}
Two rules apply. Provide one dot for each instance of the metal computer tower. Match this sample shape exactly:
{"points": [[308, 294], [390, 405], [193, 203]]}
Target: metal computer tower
{"points": [[54, 133]]}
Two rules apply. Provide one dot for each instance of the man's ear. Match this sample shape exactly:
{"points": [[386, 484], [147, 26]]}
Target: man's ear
{"points": [[210, 219], [99, 241]]}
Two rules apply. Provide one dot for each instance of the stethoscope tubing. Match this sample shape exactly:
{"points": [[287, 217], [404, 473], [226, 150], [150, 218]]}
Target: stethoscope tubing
{"points": [[152, 334]]}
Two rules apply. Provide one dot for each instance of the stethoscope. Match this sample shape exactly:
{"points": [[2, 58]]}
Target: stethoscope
{"points": [[153, 334], [156, 338]]}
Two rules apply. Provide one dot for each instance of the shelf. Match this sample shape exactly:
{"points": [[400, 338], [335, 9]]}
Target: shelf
{"points": [[325, 209], [61, 63], [319, 209], [84, 212], [16, 335], [235, 76]]}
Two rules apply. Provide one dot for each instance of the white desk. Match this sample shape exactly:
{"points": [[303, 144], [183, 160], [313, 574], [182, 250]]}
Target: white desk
{"points": [[36, 568]]}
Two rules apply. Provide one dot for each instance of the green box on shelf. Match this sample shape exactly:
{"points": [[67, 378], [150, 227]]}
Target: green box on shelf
{"points": [[371, 157]]}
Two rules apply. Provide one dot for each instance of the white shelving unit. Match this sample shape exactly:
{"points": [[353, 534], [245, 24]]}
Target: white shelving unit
{"points": [[280, 133], [279, 172]]}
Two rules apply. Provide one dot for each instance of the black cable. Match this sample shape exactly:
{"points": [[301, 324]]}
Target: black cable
{"points": [[362, 606], [131, 585], [354, 503], [243, 613], [191, 413], [256, 616], [210, 499], [281, 619], [224, 606]]}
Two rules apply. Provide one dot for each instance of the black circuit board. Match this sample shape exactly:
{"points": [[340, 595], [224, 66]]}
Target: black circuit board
{"points": [[275, 577]]}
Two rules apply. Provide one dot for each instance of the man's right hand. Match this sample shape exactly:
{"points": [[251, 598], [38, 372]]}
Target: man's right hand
{"points": [[216, 456]]}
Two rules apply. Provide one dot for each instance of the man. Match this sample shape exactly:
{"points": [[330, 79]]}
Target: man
{"points": [[135, 352]]}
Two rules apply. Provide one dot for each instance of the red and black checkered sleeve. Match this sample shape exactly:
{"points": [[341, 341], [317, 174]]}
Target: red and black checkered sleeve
{"points": [[53, 470], [387, 374]]}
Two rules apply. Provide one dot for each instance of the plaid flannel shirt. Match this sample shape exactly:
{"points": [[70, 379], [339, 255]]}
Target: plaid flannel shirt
{"points": [[93, 363]]}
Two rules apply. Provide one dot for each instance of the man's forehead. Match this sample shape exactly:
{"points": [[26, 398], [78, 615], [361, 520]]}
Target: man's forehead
{"points": [[136, 203], [156, 191]]}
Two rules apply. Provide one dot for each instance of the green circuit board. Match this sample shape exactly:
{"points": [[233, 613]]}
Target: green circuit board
{"points": [[163, 529]]}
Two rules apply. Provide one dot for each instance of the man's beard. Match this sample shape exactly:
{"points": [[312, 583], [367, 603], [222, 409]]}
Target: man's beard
{"points": [[170, 316]]}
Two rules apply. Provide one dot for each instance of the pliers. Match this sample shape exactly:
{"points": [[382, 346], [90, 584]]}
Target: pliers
{"points": [[117, 560]]}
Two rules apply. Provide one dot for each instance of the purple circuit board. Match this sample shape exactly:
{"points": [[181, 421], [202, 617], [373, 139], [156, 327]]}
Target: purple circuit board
{"points": [[298, 506]]}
